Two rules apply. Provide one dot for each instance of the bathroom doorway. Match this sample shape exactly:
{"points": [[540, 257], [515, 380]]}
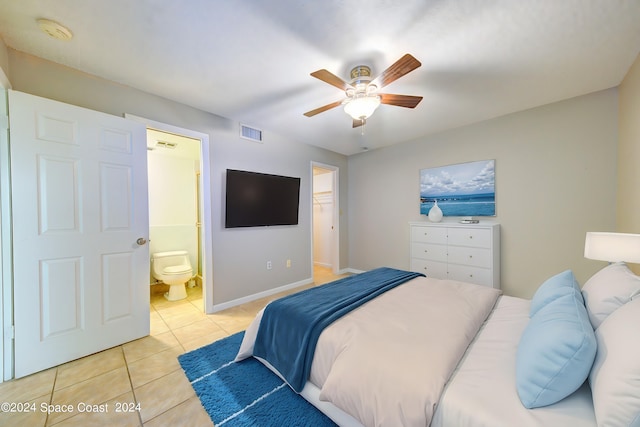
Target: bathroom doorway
{"points": [[325, 218], [173, 166], [180, 202]]}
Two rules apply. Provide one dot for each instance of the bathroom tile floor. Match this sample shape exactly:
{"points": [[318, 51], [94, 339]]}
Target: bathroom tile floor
{"points": [[143, 374]]}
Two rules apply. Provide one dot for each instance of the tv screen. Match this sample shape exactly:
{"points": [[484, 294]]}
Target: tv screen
{"points": [[256, 199]]}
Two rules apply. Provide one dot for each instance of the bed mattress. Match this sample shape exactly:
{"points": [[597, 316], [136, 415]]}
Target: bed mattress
{"points": [[367, 362], [482, 392], [481, 389]]}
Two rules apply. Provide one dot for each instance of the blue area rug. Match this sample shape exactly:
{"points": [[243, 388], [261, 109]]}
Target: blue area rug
{"points": [[245, 393]]}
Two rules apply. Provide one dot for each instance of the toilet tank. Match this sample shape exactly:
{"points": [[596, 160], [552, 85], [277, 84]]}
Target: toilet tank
{"points": [[161, 260]]}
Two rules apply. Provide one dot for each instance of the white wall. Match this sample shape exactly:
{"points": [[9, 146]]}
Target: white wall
{"points": [[4, 63], [172, 205], [239, 255], [555, 180], [555, 172], [628, 203], [6, 291]]}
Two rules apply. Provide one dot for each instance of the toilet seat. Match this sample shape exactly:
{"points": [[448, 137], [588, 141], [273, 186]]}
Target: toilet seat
{"points": [[176, 269], [173, 269]]}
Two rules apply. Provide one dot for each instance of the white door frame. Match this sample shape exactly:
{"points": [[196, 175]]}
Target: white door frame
{"points": [[6, 290], [205, 174], [335, 244]]}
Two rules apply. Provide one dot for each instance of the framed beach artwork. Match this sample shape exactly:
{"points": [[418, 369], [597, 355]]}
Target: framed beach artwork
{"points": [[464, 189]]}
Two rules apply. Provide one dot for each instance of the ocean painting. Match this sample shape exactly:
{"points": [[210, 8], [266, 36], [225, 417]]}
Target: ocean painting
{"points": [[465, 189]]}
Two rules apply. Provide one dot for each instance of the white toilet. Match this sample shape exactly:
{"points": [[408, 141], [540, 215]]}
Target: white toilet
{"points": [[173, 269]]}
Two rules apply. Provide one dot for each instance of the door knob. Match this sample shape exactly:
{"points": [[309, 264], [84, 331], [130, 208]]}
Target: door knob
{"points": [[141, 241]]}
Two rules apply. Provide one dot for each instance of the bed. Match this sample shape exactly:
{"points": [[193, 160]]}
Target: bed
{"points": [[446, 353]]}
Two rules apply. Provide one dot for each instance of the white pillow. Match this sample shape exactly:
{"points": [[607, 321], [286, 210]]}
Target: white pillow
{"points": [[608, 290], [615, 375]]}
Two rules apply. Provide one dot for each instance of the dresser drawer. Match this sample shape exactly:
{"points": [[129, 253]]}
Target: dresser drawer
{"points": [[476, 257], [463, 252], [475, 237], [479, 276], [429, 234], [435, 269], [429, 251]]}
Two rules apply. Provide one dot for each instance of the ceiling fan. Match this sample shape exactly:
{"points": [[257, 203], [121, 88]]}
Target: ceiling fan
{"points": [[362, 91]]}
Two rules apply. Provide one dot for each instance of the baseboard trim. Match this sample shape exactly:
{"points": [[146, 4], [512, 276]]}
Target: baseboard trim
{"points": [[351, 270], [322, 264], [253, 297]]}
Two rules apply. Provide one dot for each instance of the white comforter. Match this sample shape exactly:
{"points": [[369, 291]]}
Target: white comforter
{"points": [[387, 362]]}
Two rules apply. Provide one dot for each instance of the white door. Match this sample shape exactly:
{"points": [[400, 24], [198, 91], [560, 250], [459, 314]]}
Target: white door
{"points": [[80, 224]]}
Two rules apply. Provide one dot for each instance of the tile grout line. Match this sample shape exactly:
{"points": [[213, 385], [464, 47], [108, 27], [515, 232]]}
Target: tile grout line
{"points": [[228, 323], [133, 391], [53, 389]]}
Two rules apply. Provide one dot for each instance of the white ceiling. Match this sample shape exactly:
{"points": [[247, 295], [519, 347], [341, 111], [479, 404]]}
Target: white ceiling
{"points": [[249, 60]]}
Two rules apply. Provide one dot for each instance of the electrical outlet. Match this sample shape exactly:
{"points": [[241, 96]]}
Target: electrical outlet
{"points": [[288, 263], [269, 265]]}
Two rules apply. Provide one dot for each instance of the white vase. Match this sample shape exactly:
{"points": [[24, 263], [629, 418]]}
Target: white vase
{"points": [[435, 213]]}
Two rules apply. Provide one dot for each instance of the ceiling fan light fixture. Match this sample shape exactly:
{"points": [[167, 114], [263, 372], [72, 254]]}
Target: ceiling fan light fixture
{"points": [[362, 97], [362, 107]]}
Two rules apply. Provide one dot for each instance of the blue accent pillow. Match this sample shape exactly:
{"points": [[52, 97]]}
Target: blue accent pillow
{"points": [[553, 288], [555, 353]]}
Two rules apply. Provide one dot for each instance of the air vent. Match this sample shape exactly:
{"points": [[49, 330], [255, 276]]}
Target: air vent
{"points": [[250, 133], [166, 144]]}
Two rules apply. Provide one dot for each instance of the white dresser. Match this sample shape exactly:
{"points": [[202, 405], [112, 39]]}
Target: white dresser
{"points": [[463, 252]]}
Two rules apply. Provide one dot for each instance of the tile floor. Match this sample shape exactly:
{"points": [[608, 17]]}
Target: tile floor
{"points": [[111, 385]]}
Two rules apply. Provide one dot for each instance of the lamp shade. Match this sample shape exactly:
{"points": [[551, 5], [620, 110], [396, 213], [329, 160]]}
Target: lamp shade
{"points": [[612, 247], [362, 107]]}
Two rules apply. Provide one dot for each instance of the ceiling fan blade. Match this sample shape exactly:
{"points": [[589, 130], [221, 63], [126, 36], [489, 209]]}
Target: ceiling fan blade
{"points": [[332, 79], [322, 109], [402, 66], [357, 123], [407, 101]]}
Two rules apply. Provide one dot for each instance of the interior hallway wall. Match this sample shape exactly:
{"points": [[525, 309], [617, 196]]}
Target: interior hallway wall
{"points": [[628, 194], [555, 180], [239, 256], [6, 290]]}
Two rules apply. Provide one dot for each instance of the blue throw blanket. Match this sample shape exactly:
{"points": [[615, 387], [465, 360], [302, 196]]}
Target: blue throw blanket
{"points": [[290, 327]]}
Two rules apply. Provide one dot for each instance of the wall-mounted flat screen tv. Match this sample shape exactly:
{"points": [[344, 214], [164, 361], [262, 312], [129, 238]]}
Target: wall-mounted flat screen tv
{"points": [[465, 189], [257, 199]]}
